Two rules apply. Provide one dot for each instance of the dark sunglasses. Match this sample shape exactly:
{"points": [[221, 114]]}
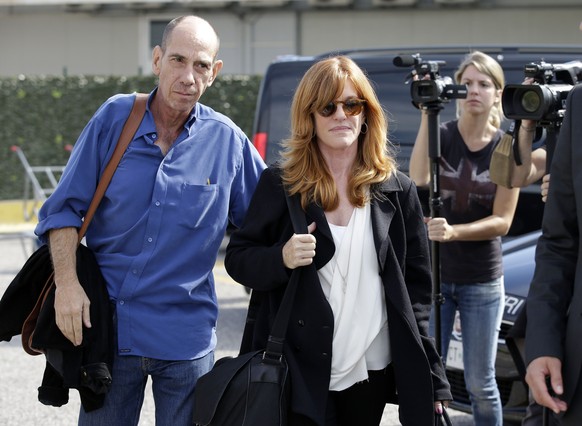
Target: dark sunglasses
{"points": [[350, 107]]}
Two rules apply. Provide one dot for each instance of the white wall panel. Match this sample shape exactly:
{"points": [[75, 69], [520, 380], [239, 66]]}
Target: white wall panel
{"points": [[394, 27], [84, 43], [77, 43]]}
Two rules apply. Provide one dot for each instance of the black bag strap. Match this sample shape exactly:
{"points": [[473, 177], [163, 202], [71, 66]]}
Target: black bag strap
{"points": [[514, 129], [443, 419], [277, 337]]}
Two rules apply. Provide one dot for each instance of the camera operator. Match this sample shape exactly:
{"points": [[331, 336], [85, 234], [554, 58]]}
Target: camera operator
{"points": [[476, 213], [533, 166], [543, 101]]}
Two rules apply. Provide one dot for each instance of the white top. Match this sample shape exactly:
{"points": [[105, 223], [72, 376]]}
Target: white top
{"points": [[352, 285]]}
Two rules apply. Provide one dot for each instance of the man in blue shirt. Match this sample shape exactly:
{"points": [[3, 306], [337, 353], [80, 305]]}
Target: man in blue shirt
{"points": [[157, 232]]}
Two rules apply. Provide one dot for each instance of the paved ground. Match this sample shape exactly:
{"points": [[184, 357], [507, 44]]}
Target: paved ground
{"points": [[21, 374]]}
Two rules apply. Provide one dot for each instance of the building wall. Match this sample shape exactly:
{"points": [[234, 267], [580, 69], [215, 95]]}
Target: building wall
{"points": [[57, 44], [54, 41], [337, 30]]}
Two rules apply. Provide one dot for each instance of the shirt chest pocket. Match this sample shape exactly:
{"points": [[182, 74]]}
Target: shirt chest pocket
{"points": [[199, 206]]}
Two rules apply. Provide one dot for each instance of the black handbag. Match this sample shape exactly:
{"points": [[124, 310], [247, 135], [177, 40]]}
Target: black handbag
{"points": [[253, 389]]}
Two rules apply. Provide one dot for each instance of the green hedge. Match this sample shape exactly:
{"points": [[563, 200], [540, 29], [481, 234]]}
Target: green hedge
{"points": [[45, 115]]}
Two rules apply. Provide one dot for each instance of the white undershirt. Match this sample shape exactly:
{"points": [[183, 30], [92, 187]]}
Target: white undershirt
{"points": [[352, 285]]}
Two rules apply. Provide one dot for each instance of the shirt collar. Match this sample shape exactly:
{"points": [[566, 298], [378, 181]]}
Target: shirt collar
{"points": [[148, 125], [192, 118]]}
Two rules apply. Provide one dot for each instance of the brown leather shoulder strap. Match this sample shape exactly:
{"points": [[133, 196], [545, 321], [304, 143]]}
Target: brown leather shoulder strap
{"points": [[131, 125]]}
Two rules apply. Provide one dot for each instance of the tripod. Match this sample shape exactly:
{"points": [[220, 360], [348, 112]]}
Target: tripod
{"points": [[434, 152]]}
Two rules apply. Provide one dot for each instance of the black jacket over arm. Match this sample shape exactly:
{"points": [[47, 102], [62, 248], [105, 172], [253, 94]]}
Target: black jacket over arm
{"points": [[85, 367], [254, 259]]}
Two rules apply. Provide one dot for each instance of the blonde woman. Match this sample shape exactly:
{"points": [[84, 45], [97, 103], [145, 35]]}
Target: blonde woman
{"points": [[475, 214], [358, 334]]}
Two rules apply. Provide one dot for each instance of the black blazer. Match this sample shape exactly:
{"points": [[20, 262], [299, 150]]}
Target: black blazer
{"points": [[254, 259], [554, 303]]}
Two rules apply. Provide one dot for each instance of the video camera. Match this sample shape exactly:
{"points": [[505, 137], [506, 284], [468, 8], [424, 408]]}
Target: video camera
{"points": [[544, 101], [437, 89]]}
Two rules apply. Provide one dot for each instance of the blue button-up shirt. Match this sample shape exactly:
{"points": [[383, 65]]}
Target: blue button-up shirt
{"points": [[158, 229]]}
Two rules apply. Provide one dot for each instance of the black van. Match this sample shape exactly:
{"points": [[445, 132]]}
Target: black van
{"points": [[271, 125]]}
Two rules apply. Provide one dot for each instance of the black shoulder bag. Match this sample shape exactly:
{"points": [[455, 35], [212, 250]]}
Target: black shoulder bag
{"points": [[253, 389]]}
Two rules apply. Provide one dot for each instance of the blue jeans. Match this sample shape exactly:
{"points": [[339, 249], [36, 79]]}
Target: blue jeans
{"points": [[172, 386], [481, 308]]}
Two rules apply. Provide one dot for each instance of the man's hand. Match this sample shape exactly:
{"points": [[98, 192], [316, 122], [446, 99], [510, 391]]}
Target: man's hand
{"points": [[300, 249], [537, 372], [72, 311], [71, 301]]}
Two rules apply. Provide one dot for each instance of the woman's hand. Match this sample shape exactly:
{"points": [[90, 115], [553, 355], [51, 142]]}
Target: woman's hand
{"points": [[300, 249], [438, 406], [439, 229]]}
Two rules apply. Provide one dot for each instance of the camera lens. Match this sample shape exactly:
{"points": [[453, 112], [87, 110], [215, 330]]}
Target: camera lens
{"points": [[530, 101]]}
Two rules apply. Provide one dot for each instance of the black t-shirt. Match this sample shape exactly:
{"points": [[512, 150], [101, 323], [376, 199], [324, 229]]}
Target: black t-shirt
{"points": [[467, 194]]}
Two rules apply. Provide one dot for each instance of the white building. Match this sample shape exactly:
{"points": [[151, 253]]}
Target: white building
{"points": [[110, 37]]}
